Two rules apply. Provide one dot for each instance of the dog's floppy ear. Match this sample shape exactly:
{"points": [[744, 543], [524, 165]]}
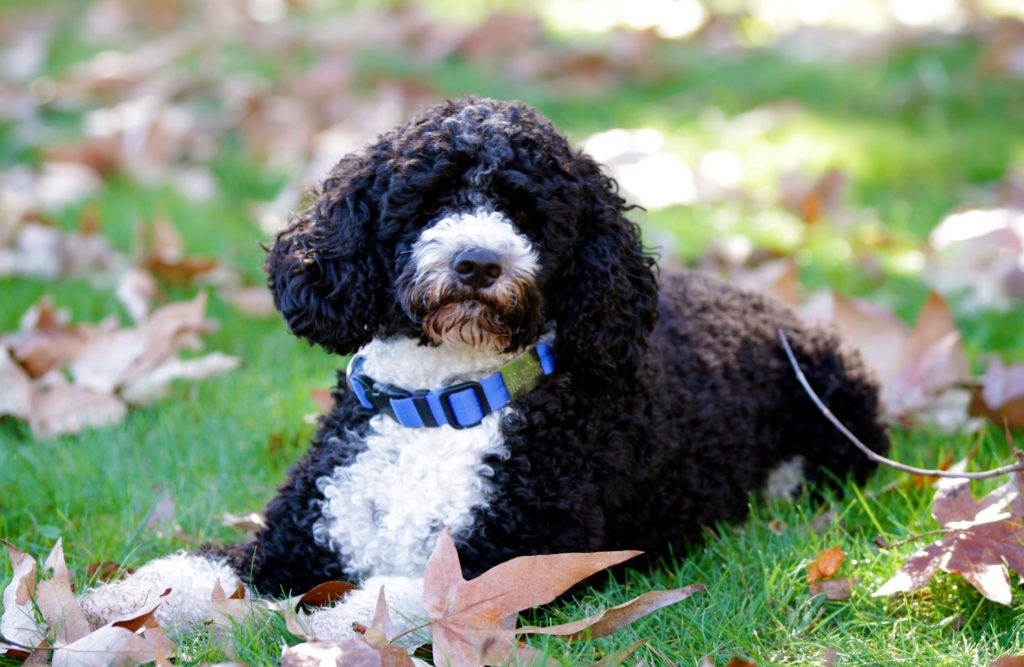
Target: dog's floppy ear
{"points": [[325, 272], [607, 299]]}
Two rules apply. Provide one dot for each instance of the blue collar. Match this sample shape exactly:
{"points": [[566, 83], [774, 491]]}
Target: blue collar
{"points": [[461, 405]]}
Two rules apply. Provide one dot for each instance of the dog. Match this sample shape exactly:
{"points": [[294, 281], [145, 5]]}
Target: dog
{"points": [[519, 376]]}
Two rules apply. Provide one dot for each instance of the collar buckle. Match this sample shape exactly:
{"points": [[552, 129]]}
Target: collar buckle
{"points": [[444, 397], [378, 394]]}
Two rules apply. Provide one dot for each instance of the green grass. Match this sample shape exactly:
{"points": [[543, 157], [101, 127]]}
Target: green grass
{"points": [[913, 150]]}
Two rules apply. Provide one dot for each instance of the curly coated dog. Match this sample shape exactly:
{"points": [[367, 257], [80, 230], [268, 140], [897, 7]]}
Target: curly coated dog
{"points": [[520, 378]]}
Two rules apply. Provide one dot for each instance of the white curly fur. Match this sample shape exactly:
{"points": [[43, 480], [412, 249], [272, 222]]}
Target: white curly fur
{"points": [[191, 579], [383, 512], [404, 599], [784, 480]]}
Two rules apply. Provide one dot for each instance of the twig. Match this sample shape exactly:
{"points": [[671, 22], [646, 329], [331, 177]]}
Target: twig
{"points": [[875, 456], [11, 642], [883, 543]]}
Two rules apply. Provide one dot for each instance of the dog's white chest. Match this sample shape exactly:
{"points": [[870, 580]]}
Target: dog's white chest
{"points": [[384, 512]]}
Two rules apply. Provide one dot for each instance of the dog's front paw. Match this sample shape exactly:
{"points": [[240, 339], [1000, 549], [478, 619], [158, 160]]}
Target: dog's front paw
{"points": [[189, 577], [346, 619]]}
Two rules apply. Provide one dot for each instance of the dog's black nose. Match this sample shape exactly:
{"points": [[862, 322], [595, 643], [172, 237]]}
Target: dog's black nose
{"points": [[477, 267]]}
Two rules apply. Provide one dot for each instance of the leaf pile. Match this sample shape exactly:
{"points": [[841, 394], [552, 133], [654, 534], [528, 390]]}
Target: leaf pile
{"points": [[62, 378], [62, 627]]}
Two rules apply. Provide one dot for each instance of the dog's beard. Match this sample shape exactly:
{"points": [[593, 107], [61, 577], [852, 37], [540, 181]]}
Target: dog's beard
{"points": [[449, 312], [474, 323]]}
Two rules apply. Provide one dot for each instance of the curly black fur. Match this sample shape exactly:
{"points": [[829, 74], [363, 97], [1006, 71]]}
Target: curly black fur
{"points": [[668, 409]]}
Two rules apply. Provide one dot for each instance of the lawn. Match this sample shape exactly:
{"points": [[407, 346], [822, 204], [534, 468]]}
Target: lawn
{"points": [[916, 132]]}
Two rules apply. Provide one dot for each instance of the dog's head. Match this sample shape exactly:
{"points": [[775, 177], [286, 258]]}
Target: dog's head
{"points": [[474, 224]]}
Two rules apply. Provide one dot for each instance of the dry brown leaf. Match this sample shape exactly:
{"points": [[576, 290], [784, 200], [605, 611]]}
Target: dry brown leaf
{"points": [[227, 611], [254, 301], [778, 278], [66, 409], [812, 199], [45, 341], [294, 608], [737, 661], [382, 629], [834, 589], [825, 565], [122, 357], [15, 388], [120, 642], [185, 271], [18, 622], [104, 362], [615, 618], [323, 399], [57, 602], [979, 253], [136, 290], [1008, 661], [474, 621], [155, 384], [922, 370], [250, 523], [1000, 397], [983, 537], [380, 633], [321, 595]]}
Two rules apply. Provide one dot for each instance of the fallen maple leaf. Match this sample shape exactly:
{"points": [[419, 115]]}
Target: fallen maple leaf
{"points": [[120, 642], [68, 409], [108, 366], [615, 618], [983, 537], [19, 631], [57, 602], [474, 621]]}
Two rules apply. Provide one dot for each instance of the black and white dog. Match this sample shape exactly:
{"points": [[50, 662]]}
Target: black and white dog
{"points": [[520, 378]]}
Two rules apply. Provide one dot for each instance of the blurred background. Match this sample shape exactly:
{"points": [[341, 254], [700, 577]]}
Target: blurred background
{"points": [[737, 124], [753, 117]]}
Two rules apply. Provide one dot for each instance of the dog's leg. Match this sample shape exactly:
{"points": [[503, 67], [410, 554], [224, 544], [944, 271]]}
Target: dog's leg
{"points": [[190, 577], [404, 598], [786, 479]]}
